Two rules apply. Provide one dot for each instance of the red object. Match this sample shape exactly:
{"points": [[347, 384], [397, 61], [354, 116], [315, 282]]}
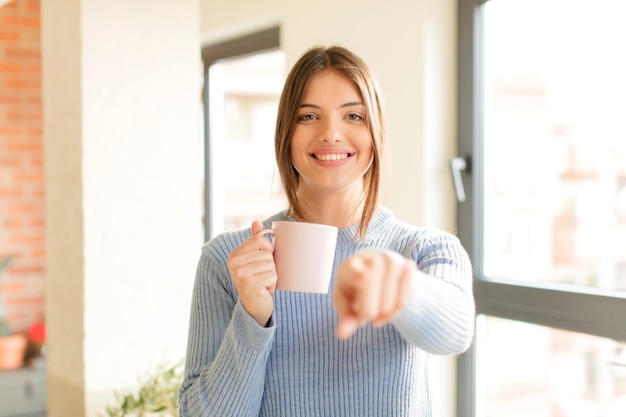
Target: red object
{"points": [[37, 333]]}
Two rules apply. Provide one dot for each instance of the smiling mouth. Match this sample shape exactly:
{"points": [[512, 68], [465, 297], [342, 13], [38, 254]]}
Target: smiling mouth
{"points": [[331, 156]]}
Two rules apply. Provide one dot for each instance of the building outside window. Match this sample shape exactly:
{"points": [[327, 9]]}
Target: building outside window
{"points": [[546, 220]]}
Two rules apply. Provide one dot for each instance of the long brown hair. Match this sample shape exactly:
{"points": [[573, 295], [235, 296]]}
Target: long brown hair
{"points": [[352, 67]]}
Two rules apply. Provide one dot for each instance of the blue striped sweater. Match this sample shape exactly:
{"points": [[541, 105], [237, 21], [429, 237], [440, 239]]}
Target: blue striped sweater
{"points": [[295, 366]]}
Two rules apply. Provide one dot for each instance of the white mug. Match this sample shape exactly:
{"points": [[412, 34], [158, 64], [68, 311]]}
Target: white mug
{"points": [[304, 254]]}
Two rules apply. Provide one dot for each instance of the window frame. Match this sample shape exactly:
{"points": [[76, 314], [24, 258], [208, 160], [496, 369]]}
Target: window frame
{"points": [[590, 310]]}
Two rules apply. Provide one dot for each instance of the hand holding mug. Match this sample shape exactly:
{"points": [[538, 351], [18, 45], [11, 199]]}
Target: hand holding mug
{"points": [[371, 286], [252, 268]]}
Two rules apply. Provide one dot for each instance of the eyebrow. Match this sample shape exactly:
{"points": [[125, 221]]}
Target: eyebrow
{"points": [[348, 104]]}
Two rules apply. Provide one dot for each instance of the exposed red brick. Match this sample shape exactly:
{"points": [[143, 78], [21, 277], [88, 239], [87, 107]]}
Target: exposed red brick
{"points": [[11, 286], [36, 177], [17, 115], [21, 207], [20, 20], [10, 131], [21, 163], [29, 300], [31, 6], [27, 270], [9, 162], [9, 67], [25, 146], [23, 51], [31, 69], [23, 84], [37, 222], [37, 161], [7, 193], [9, 34], [12, 223], [9, 97]]}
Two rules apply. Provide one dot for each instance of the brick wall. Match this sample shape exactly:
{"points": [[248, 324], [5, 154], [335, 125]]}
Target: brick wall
{"points": [[22, 287]]}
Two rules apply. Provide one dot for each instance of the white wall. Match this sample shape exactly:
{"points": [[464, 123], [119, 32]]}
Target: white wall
{"points": [[411, 46], [123, 137], [123, 162]]}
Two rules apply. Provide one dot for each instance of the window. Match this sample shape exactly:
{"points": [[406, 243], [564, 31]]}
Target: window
{"points": [[567, 374], [541, 88], [243, 81]]}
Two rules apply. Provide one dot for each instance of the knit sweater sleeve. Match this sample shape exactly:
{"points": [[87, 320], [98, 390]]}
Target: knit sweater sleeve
{"points": [[227, 350], [441, 311]]}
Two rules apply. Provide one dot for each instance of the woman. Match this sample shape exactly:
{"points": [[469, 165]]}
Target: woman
{"points": [[399, 292]]}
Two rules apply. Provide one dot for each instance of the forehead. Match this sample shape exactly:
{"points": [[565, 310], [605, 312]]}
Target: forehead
{"points": [[329, 83]]}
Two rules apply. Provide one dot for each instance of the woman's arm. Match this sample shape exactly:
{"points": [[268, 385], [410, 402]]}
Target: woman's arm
{"points": [[227, 350], [426, 293], [439, 316]]}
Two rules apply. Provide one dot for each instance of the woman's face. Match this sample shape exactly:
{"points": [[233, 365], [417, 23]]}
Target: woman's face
{"points": [[331, 144]]}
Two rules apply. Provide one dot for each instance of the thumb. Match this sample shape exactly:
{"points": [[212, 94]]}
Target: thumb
{"points": [[257, 226]]}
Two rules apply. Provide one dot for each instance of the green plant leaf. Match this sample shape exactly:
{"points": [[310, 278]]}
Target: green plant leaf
{"points": [[5, 263], [157, 393]]}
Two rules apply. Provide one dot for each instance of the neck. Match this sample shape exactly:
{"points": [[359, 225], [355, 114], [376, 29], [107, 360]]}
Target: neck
{"points": [[336, 209]]}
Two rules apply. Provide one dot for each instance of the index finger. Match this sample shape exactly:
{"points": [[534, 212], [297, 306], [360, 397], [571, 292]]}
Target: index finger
{"points": [[369, 287], [343, 299]]}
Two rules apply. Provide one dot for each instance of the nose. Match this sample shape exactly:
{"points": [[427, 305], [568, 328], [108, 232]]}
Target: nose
{"points": [[330, 131]]}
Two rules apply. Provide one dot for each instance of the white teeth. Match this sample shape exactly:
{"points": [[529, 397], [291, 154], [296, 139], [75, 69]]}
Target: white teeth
{"points": [[331, 156]]}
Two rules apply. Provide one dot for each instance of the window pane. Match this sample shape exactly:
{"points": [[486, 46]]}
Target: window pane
{"points": [[243, 101], [530, 370], [555, 141]]}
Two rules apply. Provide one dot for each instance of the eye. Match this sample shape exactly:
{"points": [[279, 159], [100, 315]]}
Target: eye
{"points": [[306, 117], [355, 117]]}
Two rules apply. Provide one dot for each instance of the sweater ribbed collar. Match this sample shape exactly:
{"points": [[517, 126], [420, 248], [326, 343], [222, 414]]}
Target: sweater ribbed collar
{"points": [[348, 234]]}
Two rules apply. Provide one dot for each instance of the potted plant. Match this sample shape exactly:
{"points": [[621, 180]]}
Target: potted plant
{"points": [[156, 396], [12, 345]]}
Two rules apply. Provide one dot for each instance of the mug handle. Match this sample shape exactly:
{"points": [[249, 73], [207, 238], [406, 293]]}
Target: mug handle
{"points": [[268, 232]]}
